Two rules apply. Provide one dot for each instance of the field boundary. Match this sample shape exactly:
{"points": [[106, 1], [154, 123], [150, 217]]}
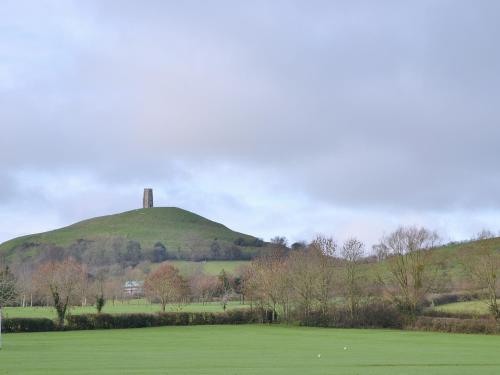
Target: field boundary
{"points": [[136, 320]]}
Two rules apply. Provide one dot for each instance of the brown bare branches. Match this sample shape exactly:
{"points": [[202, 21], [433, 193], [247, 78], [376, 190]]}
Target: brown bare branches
{"points": [[166, 285], [60, 281], [410, 275]]}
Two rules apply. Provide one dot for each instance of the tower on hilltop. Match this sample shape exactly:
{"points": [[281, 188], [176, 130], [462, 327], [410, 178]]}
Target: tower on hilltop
{"points": [[147, 200]]}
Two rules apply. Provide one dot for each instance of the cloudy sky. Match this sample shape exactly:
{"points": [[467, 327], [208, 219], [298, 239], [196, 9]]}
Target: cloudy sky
{"points": [[273, 117]]}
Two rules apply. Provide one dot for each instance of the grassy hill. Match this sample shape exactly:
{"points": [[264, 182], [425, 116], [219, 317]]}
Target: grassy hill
{"points": [[180, 231], [448, 260]]}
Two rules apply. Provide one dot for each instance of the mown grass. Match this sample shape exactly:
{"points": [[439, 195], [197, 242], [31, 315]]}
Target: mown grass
{"points": [[213, 267], [133, 306], [249, 349]]}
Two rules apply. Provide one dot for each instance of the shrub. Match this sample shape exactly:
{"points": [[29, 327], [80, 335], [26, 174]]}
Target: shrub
{"points": [[454, 325], [28, 325], [373, 315], [99, 303], [76, 322], [443, 299]]}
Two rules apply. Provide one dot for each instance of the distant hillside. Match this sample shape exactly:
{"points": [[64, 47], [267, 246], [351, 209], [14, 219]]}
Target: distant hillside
{"points": [[137, 234], [449, 260]]}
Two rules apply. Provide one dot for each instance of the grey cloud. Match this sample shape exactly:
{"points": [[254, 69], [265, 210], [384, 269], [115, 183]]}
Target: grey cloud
{"points": [[378, 105]]}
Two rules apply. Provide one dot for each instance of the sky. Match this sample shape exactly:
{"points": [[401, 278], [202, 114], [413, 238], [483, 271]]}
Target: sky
{"points": [[291, 118]]}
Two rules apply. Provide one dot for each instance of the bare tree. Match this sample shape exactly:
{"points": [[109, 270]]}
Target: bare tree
{"points": [[8, 292], [312, 271], [279, 242], [113, 288], [484, 267], [484, 234], [24, 275], [271, 281], [60, 282], [84, 285], [325, 245], [203, 286], [322, 251], [409, 276], [352, 252], [380, 251], [8, 289], [224, 288], [165, 284]]}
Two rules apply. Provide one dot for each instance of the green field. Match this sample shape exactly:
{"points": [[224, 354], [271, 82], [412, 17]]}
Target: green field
{"points": [[134, 306], [213, 267], [249, 349], [472, 307]]}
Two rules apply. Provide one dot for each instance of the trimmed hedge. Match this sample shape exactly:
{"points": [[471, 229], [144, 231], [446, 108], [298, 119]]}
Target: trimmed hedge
{"points": [[28, 325], [108, 321], [111, 321], [369, 316], [454, 325]]}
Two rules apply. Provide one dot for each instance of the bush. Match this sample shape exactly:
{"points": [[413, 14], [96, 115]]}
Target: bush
{"points": [[13, 325], [454, 325], [373, 315], [443, 299]]}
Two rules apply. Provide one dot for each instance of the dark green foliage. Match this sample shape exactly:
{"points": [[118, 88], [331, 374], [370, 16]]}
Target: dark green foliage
{"points": [[254, 242], [99, 302], [296, 246], [109, 321], [158, 254], [13, 325], [61, 306]]}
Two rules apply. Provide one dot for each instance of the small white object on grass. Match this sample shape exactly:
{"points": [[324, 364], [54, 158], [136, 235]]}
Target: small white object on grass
{"points": [[345, 347], [319, 355]]}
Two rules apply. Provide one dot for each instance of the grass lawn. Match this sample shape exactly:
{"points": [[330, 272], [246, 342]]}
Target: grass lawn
{"points": [[133, 306], [212, 267], [248, 349], [473, 307]]}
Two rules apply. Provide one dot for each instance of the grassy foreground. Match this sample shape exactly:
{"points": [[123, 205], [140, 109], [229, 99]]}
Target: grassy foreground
{"points": [[133, 306], [250, 349]]}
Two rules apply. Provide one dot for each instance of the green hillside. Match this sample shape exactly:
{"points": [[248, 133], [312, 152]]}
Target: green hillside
{"points": [[447, 261], [183, 233]]}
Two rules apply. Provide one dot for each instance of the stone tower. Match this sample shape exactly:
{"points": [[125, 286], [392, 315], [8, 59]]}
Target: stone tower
{"points": [[147, 200]]}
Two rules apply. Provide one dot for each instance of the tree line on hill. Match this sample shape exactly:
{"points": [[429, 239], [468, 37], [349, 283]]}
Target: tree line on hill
{"points": [[316, 283], [130, 253]]}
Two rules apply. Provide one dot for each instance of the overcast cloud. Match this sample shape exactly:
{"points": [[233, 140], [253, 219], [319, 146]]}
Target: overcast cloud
{"points": [[272, 117]]}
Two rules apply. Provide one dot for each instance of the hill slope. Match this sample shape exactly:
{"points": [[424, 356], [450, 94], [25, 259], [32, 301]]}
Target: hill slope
{"points": [[183, 233]]}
